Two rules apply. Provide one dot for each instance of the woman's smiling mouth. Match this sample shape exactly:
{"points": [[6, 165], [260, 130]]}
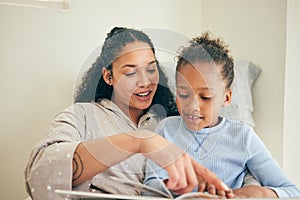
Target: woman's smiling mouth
{"points": [[143, 94]]}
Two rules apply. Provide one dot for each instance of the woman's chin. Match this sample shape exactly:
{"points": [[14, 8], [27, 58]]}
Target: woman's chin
{"points": [[141, 105]]}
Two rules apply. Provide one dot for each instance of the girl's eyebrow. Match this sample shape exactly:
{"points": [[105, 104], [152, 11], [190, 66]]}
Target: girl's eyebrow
{"points": [[202, 88], [132, 65]]}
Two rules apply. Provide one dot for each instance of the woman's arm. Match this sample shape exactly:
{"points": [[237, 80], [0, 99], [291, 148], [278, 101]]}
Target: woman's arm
{"points": [[94, 156], [89, 159]]}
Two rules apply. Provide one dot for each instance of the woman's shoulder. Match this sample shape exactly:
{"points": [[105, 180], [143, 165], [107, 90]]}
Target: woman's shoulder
{"points": [[80, 105], [77, 109]]}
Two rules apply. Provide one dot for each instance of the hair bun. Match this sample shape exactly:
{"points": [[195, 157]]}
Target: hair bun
{"points": [[116, 30]]}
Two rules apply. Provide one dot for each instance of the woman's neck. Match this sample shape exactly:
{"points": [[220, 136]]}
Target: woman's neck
{"points": [[135, 115], [132, 113]]}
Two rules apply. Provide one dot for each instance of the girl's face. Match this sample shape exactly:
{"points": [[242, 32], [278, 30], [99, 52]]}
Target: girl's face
{"points": [[200, 94], [134, 77]]}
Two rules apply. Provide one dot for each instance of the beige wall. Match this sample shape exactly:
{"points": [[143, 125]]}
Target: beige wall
{"points": [[291, 161]]}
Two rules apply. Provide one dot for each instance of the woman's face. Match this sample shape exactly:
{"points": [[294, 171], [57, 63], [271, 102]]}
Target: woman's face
{"points": [[200, 95], [134, 77]]}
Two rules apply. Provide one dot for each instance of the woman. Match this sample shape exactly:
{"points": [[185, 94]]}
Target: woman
{"points": [[111, 134]]}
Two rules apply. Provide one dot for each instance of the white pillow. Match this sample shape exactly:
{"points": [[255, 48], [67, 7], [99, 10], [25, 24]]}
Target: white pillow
{"points": [[241, 107]]}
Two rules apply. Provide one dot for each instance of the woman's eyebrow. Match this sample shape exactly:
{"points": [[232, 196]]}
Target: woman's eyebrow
{"points": [[150, 63], [129, 65], [133, 65]]}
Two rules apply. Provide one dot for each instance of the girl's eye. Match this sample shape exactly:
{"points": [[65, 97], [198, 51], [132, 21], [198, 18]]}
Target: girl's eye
{"points": [[206, 98]]}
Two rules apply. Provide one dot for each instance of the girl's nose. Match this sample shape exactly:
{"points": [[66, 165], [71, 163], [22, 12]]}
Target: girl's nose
{"points": [[195, 104]]}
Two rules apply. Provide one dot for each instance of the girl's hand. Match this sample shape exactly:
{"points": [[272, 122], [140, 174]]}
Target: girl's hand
{"points": [[254, 191], [204, 186]]}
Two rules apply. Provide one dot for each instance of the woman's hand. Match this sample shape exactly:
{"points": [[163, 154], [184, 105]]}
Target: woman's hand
{"points": [[181, 168]]}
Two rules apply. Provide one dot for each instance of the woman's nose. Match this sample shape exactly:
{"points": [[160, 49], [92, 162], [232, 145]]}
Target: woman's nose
{"points": [[143, 80]]}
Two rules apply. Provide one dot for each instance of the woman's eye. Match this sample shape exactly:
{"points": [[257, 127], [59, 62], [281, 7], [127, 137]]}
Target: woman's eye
{"points": [[151, 71], [183, 96], [152, 68], [130, 73]]}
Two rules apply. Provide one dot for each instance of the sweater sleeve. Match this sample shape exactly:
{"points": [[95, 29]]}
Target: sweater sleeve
{"points": [[154, 178], [155, 175], [265, 168], [50, 164]]}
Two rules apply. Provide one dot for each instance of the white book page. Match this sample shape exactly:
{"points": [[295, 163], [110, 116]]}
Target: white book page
{"points": [[80, 194]]}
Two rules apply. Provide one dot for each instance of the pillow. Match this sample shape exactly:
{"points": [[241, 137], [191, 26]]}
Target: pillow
{"points": [[241, 107]]}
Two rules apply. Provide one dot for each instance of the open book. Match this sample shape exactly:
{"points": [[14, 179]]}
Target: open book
{"points": [[139, 187]]}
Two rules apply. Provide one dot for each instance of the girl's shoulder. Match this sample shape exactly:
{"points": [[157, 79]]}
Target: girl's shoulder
{"points": [[236, 123], [238, 127], [171, 120]]}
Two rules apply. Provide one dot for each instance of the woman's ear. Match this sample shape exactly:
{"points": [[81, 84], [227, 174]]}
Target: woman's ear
{"points": [[227, 98], [107, 76]]}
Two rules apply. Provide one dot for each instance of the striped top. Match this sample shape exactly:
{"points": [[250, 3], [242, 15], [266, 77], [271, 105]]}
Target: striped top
{"points": [[229, 149]]}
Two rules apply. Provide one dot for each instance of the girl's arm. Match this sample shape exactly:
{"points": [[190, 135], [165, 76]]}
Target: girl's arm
{"points": [[254, 191], [266, 170]]}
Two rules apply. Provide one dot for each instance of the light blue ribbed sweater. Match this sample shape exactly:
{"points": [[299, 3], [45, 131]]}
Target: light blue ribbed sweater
{"points": [[229, 150]]}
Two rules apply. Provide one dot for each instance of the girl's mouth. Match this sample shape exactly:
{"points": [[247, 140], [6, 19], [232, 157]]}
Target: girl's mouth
{"points": [[192, 117]]}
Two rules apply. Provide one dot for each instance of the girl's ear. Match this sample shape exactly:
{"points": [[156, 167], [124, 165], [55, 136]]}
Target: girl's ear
{"points": [[227, 98], [107, 76]]}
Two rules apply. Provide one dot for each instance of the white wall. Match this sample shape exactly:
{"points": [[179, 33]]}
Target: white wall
{"points": [[291, 160], [41, 55]]}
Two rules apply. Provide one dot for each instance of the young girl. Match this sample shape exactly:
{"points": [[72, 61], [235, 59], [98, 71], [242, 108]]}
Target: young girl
{"points": [[229, 148]]}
